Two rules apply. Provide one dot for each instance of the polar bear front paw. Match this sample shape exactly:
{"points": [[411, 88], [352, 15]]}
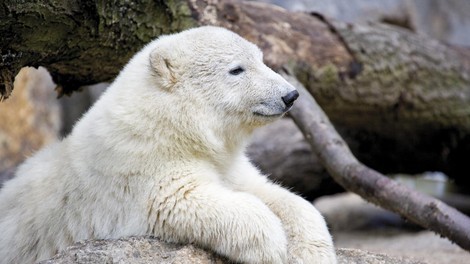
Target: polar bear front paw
{"points": [[267, 245]]}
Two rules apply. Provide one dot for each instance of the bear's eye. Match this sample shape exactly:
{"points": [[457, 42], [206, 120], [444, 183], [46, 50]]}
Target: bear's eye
{"points": [[236, 71]]}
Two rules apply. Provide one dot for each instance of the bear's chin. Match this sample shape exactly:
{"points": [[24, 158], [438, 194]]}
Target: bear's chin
{"points": [[268, 116], [270, 110], [259, 120], [271, 115]]}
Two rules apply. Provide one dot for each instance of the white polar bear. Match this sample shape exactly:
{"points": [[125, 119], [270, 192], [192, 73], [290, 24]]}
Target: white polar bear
{"points": [[162, 153]]}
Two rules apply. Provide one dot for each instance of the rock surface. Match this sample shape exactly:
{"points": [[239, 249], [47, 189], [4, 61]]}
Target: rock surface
{"points": [[142, 250], [357, 256], [133, 250]]}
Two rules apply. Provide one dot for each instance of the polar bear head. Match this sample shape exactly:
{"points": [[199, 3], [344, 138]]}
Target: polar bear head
{"points": [[206, 75]]}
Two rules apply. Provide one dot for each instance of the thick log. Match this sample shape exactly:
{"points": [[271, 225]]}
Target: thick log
{"points": [[401, 100], [106, 35], [81, 42], [370, 184], [409, 107]]}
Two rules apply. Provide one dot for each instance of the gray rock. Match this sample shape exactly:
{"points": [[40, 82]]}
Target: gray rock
{"points": [[142, 250], [134, 250], [357, 256]]}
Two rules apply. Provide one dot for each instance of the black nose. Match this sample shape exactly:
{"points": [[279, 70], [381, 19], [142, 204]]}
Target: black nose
{"points": [[290, 98]]}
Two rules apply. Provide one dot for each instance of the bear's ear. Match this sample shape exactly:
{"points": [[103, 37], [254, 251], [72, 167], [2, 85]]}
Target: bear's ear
{"points": [[164, 69]]}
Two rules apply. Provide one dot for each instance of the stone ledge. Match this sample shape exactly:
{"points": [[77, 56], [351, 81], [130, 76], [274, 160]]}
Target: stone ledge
{"points": [[143, 250]]}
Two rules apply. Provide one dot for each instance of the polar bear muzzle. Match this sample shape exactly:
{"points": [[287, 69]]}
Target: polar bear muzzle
{"points": [[276, 108]]}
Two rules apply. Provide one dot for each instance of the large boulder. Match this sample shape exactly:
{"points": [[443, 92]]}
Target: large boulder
{"points": [[134, 250], [143, 250]]}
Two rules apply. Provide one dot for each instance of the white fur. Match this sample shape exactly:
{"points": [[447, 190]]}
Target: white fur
{"points": [[162, 153]]}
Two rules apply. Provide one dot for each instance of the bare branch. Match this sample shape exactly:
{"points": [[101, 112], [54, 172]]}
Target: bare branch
{"points": [[371, 185]]}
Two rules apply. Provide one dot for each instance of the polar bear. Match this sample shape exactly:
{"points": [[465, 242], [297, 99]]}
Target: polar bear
{"points": [[162, 153]]}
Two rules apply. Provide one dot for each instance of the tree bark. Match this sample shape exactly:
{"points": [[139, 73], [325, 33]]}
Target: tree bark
{"points": [[402, 101], [81, 42], [369, 184]]}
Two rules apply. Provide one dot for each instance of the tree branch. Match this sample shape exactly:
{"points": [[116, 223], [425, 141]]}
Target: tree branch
{"points": [[371, 185]]}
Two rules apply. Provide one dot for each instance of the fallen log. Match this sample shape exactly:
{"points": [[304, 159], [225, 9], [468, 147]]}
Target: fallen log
{"points": [[393, 93]]}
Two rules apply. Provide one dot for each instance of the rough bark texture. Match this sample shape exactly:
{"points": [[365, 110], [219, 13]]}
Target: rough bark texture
{"points": [[150, 250], [410, 100], [84, 42], [402, 101], [369, 184], [81, 42]]}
